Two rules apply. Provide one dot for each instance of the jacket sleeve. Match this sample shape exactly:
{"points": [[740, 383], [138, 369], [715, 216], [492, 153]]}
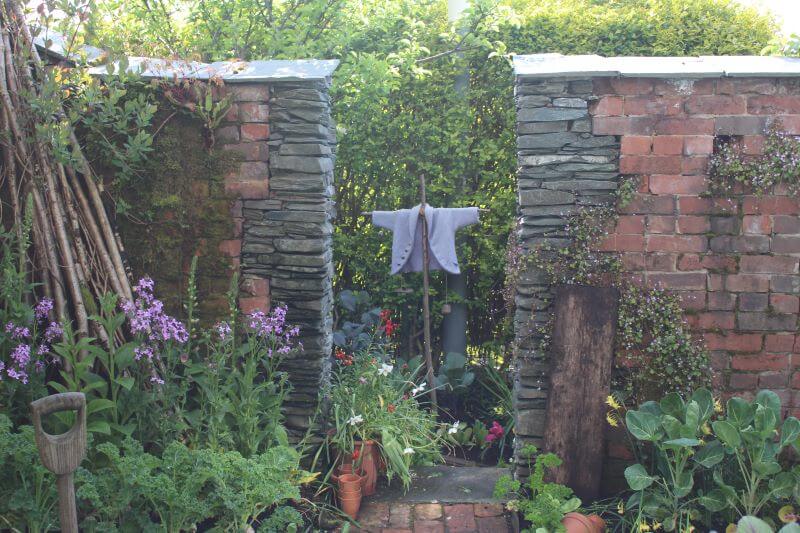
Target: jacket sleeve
{"points": [[384, 219], [464, 216]]}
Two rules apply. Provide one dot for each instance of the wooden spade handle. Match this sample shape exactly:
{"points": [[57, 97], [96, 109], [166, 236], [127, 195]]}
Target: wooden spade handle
{"points": [[62, 454]]}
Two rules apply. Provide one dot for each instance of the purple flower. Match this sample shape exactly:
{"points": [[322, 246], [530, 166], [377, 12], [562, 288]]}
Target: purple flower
{"points": [[157, 380], [20, 332], [9, 327], [223, 330], [54, 331], [43, 349], [19, 375], [21, 355], [143, 351], [43, 308]]}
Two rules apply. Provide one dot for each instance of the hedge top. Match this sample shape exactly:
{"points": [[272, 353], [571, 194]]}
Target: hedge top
{"points": [[230, 71], [587, 66]]}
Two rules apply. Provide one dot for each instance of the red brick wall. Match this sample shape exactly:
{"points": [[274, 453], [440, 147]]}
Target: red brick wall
{"points": [[245, 130], [734, 261]]}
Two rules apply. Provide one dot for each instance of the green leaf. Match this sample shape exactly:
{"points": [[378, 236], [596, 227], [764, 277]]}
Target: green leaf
{"points": [[682, 443], [771, 401], [715, 501], [98, 426], [637, 477], [643, 426], [790, 431], [765, 421], [792, 527], [99, 404], [766, 469], [705, 401], [125, 382], [672, 404], [751, 524], [782, 485], [710, 454], [740, 412], [727, 433]]}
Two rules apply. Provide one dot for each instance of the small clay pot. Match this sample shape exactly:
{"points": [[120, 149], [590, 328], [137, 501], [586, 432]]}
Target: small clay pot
{"points": [[346, 469], [349, 483], [579, 523], [368, 460], [598, 522], [351, 503]]}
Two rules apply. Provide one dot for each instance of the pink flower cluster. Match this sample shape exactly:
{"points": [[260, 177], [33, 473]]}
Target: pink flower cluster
{"points": [[495, 432]]}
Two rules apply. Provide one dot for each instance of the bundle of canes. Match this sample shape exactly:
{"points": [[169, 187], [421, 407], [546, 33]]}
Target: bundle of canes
{"points": [[76, 254]]}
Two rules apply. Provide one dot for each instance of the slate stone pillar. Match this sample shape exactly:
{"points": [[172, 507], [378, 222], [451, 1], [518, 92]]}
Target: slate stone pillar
{"points": [[287, 237], [562, 166]]}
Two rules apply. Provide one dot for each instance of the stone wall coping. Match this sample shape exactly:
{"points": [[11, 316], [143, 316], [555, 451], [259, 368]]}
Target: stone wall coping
{"points": [[590, 66], [230, 71]]}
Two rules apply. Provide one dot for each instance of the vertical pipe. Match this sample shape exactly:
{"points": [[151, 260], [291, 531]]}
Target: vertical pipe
{"points": [[426, 304]]}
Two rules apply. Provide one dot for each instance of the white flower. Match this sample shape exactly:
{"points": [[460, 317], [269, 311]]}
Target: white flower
{"points": [[408, 451], [418, 389], [355, 420], [454, 428], [385, 369]]}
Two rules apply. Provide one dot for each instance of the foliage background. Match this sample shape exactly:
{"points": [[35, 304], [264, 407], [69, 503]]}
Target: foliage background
{"points": [[398, 114]]}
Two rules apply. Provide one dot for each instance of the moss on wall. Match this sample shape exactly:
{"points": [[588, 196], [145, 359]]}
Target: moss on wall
{"points": [[178, 208]]}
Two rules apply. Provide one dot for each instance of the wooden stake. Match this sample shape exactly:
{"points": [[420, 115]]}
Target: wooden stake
{"points": [[426, 304]]}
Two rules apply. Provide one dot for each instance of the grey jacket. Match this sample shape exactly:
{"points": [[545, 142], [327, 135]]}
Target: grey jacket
{"points": [[406, 224]]}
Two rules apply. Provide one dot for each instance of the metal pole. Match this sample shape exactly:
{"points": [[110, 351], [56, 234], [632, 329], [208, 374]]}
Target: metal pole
{"points": [[454, 323], [426, 304]]}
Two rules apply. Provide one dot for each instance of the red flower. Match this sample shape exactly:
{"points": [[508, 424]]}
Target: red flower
{"points": [[495, 432], [389, 327], [391, 408], [355, 454], [385, 315]]}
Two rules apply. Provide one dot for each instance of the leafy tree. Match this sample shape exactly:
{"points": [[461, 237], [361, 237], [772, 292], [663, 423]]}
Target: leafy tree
{"points": [[398, 113]]}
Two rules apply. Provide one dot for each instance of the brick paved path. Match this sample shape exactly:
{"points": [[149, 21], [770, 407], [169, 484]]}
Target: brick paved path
{"points": [[383, 517]]}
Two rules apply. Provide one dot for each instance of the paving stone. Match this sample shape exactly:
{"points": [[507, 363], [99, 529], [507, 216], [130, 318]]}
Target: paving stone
{"points": [[428, 526], [459, 517], [400, 515], [492, 524], [488, 509], [427, 511], [374, 515]]}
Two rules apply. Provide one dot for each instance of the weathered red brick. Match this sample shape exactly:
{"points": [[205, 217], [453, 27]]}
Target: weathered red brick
{"points": [[719, 263], [778, 264], [785, 244], [661, 224], [779, 343], [460, 518], [690, 262], [427, 511], [747, 283], [685, 126], [734, 342], [428, 526], [484, 510], [715, 105], [491, 524], [630, 224], [739, 381], [721, 301], [753, 144], [718, 320], [632, 164], [623, 243], [759, 362], [652, 105], [693, 300], [679, 280], [692, 205], [253, 303], [784, 303], [755, 85], [698, 145], [668, 144], [623, 125], [654, 205], [255, 132], [773, 380], [790, 123], [676, 243], [666, 184], [773, 105], [757, 224], [693, 224], [231, 247], [249, 189], [631, 86], [636, 144], [753, 301], [786, 224], [607, 106], [253, 112], [770, 205]]}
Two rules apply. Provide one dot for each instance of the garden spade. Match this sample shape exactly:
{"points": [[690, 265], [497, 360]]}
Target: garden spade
{"points": [[62, 454]]}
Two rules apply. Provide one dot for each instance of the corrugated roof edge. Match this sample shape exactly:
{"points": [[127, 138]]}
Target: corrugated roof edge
{"points": [[230, 71], [590, 66]]}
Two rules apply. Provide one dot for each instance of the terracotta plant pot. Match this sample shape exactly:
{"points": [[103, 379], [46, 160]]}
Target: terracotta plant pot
{"points": [[346, 469], [579, 523], [349, 483], [368, 457], [598, 522], [351, 503]]}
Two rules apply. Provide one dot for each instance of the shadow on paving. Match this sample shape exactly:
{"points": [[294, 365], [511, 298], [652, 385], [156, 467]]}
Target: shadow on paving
{"points": [[444, 484]]}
